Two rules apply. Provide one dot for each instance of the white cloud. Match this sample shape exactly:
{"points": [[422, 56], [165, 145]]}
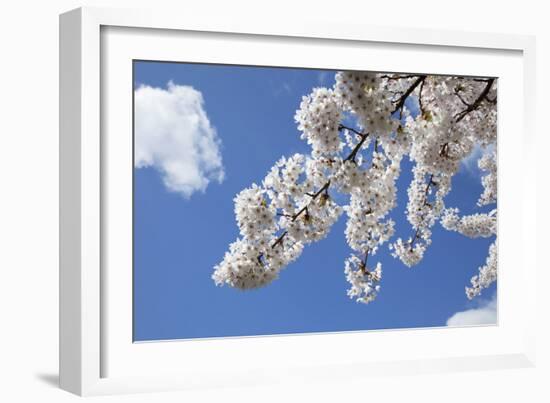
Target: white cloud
{"points": [[173, 134], [485, 314]]}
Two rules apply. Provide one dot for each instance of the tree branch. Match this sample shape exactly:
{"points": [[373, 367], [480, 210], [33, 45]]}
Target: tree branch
{"points": [[363, 268], [325, 187], [457, 93], [279, 240], [400, 102], [476, 104], [351, 129], [417, 233], [304, 209], [353, 154], [398, 77]]}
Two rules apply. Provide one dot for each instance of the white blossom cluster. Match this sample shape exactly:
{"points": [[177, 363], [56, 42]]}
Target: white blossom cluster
{"points": [[455, 115], [371, 199], [479, 225], [318, 119], [364, 282], [487, 273], [255, 218], [436, 145], [409, 252], [480, 123], [468, 102], [361, 162], [275, 220], [364, 95], [247, 265], [488, 163], [424, 208], [473, 226]]}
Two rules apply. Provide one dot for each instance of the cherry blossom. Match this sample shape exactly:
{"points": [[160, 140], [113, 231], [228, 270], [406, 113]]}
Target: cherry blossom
{"points": [[473, 226], [435, 121], [488, 163], [364, 282], [487, 273]]}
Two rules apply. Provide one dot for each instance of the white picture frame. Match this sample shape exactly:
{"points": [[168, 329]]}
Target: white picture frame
{"points": [[97, 356]]}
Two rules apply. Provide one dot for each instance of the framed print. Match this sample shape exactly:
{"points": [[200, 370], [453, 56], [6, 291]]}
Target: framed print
{"points": [[244, 203]]}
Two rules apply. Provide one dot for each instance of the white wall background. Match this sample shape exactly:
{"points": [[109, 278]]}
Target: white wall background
{"points": [[29, 201]]}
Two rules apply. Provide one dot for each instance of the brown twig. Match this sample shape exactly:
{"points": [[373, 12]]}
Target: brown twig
{"points": [[477, 103], [457, 93], [325, 187], [353, 154], [400, 102], [351, 129], [398, 77]]}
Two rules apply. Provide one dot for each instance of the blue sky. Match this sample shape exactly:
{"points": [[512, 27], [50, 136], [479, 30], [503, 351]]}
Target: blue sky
{"points": [[178, 239]]}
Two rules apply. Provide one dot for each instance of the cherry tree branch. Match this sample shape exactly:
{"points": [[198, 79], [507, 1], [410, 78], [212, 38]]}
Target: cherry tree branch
{"points": [[364, 270], [304, 209], [398, 76], [417, 232], [353, 154], [457, 93], [325, 187], [279, 240], [351, 129], [444, 149], [363, 136], [400, 102], [477, 103]]}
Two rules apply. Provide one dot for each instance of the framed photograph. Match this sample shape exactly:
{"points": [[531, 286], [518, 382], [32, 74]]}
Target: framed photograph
{"points": [[244, 203]]}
